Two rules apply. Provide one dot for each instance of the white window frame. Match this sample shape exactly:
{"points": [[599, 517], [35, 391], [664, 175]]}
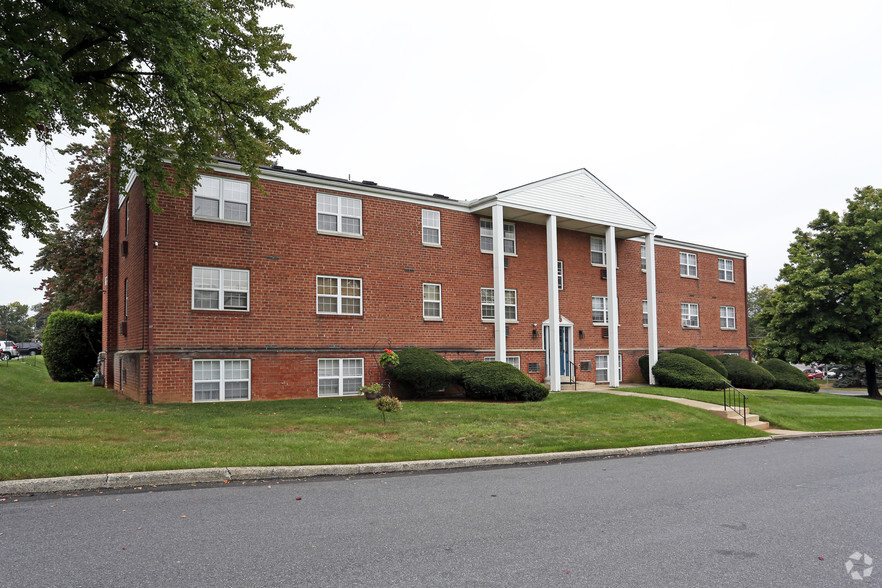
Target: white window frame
{"points": [[560, 275], [223, 288], [337, 296], [727, 318], [125, 298], [488, 305], [645, 313], [598, 370], [688, 265], [431, 227], [726, 269], [689, 315], [223, 191], [509, 240], [643, 258], [340, 208], [430, 302], [598, 251], [338, 364], [514, 360], [600, 304], [221, 380]]}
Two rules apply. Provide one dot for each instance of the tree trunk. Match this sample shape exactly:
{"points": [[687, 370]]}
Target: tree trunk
{"points": [[872, 384]]}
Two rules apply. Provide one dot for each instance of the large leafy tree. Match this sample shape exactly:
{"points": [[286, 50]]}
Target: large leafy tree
{"points": [[15, 325], [178, 80], [828, 307], [73, 252], [756, 330]]}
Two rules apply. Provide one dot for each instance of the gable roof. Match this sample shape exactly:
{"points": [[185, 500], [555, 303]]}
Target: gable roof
{"points": [[579, 200]]}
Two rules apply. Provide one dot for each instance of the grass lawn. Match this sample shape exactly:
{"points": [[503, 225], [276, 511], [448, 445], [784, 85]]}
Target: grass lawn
{"points": [[52, 429], [800, 411]]}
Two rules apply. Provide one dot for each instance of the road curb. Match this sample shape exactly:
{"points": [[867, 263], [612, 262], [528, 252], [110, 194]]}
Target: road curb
{"points": [[94, 482]]}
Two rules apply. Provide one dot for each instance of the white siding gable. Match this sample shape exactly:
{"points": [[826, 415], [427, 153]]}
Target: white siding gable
{"points": [[576, 195]]}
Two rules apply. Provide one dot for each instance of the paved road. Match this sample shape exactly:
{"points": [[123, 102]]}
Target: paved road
{"points": [[786, 513]]}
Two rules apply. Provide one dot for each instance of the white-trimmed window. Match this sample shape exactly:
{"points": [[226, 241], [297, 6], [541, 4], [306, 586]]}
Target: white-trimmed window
{"points": [[688, 265], [598, 251], [559, 275], [726, 269], [488, 306], [643, 257], [599, 310], [220, 289], [508, 237], [514, 360], [217, 380], [340, 376], [689, 315], [431, 227], [336, 295], [645, 313], [602, 373], [432, 302], [727, 318], [338, 214], [222, 199]]}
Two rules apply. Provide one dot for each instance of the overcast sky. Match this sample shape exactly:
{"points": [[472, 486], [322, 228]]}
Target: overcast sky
{"points": [[727, 124]]}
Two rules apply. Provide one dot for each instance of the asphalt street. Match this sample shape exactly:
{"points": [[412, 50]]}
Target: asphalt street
{"points": [[786, 513]]}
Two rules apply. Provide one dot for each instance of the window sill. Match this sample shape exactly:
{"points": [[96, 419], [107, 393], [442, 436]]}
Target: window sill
{"points": [[337, 314], [430, 319], [220, 309], [691, 328], [728, 329], [728, 281], [492, 321], [505, 254], [335, 234], [221, 221], [689, 277], [435, 245]]}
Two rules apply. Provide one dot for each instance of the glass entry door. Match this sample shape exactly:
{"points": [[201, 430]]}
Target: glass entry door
{"points": [[564, 337]]}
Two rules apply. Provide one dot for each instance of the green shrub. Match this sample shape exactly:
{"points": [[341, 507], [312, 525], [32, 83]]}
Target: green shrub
{"points": [[422, 372], [704, 357], [746, 374], [788, 377], [681, 371], [71, 342], [643, 362], [497, 380]]}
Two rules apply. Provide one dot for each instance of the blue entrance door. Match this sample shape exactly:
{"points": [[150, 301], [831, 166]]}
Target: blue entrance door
{"points": [[564, 342]]}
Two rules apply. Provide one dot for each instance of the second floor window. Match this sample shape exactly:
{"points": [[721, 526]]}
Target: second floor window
{"points": [[432, 301], [220, 289], [336, 295], [688, 265], [727, 318], [488, 307], [338, 214], [599, 310], [222, 199], [508, 237], [689, 315], [598, 251]]}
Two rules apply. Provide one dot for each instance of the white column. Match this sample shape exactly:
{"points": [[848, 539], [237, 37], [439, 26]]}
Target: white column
{"points": [[499, 282], [552, 367], [651, 306], [612, 295]]}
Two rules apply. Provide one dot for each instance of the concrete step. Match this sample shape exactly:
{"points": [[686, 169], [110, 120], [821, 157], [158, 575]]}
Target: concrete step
{"points": [[752, 420], [577, 387]]}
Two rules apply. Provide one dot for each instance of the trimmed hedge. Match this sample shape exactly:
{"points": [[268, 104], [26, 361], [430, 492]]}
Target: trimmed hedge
{"points": [[643, 362], [71, 342], [746, 374], [704, 357], [497, 380], [423, 372], [675, 370], [788, 377]]}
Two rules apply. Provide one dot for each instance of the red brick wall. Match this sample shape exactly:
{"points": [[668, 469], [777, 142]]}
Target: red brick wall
{"points": [[284, 336]]}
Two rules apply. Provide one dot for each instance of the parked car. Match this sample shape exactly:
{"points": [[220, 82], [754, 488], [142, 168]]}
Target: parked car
{"points": [[29, 348], [813, 374], [8, 350]]}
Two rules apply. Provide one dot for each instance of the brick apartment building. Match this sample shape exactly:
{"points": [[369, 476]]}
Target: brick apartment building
{"points": [[292, 288]]}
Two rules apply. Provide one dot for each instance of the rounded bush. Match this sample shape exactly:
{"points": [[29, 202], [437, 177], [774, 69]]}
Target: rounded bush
{"points": [[681, 371], [423, 372], [704, 357], [746, 374], [643, 363], [71, 342], [788, 377], [497, 380]]}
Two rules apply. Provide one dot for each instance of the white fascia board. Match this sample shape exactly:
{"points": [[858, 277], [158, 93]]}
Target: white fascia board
{"points": [[661, 241], [564, 215]]}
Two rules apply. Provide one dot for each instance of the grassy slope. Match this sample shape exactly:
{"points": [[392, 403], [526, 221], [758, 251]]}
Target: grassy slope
{"points": [[800, 411], [51, 429]]}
